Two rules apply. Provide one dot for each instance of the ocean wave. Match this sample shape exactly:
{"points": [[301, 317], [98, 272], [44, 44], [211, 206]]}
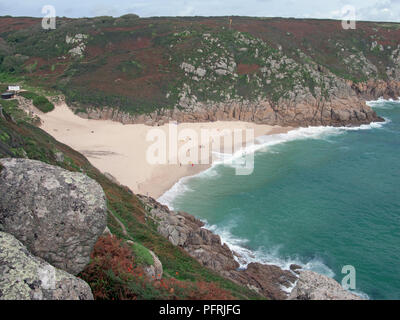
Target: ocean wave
{"points": [[384, 103], [178, 189], [244, 255], [262, 144]]}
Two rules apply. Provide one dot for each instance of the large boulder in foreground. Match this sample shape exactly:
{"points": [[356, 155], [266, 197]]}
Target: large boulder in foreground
{"points": [[314, 286], [57, 214], [26, 277]]}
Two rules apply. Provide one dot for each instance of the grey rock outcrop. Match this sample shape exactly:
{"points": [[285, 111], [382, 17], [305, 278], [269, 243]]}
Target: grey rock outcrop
{"points": [[267, 280], [314, 286], [57, 214], [155, 271], [374, 89], [26, 277], [185, 231], [59, 157]]}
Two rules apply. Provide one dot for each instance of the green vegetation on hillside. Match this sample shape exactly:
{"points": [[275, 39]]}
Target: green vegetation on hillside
{"points": [[40, 102], [43, 104], [135, 64], [142, 254]]}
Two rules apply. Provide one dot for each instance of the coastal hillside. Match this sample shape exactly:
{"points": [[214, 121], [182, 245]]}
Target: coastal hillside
{"points": [[266, 70], [122, 266], [59, 213]]}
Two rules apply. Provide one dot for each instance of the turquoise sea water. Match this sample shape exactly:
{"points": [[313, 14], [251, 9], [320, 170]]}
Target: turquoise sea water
{"points": [[322, 198]]}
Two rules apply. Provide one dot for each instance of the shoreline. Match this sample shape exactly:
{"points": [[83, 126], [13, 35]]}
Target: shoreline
{"points": [[265, 141], [113, 147]]}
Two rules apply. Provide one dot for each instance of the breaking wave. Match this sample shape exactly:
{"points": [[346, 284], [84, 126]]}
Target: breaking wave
{"points": [[261, 144]]}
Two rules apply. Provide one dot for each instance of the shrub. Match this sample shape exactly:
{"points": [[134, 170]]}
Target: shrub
{"points": [[40, 102], [142, 254], [28, 95], [114, 274], [110, 266], [130, 16], [13, 64], [43, 104]]}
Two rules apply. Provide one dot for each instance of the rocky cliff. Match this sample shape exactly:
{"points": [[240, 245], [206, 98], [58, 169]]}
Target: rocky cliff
{"points": [[57, 214], [342, 111], [314, 286], [276, 71], [375, 89]]}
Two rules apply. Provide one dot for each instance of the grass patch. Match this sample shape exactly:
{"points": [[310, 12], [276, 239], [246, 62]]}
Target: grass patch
{"points": [[43, 104], [40, 102], [142, 254], [28, 95]]}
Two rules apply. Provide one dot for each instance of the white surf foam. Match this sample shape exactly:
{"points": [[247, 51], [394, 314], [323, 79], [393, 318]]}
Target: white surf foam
{"points": [[178, 188], [383, 103], [261, 144], [244, 256], [182, 186]]}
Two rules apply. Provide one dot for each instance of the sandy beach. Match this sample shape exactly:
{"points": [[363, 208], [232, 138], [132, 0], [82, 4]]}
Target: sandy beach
{"points": [[120, 150]]}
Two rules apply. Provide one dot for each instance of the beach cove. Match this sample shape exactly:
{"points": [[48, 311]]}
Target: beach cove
{"points": [[120, 150], [254, 214]]}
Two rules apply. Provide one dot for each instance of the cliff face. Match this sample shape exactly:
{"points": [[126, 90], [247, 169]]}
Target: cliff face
{"points": [[342, 111], [375, 89]]}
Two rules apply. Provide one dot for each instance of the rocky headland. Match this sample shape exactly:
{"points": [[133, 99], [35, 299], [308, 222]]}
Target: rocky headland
{"points": [[339, 112], [50, 219], [277, 71], [345, 107]]}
